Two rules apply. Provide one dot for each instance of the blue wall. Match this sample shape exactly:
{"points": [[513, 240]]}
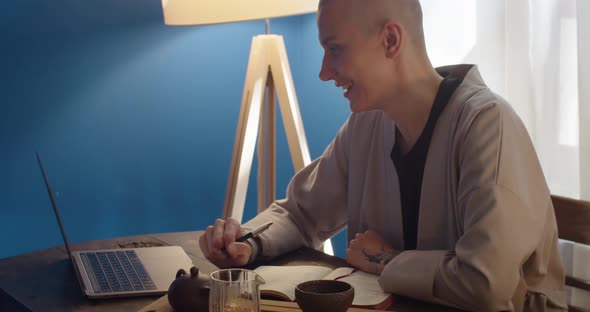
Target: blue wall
{"points": [[135, 120]]}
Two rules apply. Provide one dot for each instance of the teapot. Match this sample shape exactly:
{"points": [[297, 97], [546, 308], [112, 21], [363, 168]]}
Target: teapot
{"points": [[189, 293]]}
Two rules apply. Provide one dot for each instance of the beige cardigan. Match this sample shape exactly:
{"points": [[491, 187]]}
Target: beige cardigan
{"points": [[487, 238]]}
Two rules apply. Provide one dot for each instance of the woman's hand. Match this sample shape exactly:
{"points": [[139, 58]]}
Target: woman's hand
{"points": [[370, 252], [224, 234]]}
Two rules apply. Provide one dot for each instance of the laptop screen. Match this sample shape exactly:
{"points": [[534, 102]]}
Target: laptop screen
{"points": [[55, 210]]}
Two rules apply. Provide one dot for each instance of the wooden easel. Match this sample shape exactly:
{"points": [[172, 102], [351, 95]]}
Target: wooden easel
{"points": [[268, 70]]}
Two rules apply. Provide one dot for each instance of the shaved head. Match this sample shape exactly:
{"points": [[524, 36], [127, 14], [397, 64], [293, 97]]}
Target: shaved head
{"points": [[372, 15], [375, 51]]}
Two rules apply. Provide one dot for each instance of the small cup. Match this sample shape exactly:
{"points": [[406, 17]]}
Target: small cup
{"points": [[324, 295], [235, 290]]}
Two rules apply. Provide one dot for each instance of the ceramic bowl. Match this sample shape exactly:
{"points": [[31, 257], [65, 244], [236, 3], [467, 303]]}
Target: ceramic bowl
{"points": [[324, 295]]}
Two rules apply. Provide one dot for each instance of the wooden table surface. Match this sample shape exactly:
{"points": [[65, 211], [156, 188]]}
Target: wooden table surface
{"points": [[45, 281]]}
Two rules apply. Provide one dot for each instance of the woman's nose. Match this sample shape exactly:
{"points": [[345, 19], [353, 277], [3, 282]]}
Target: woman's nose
{"points": [[327, 71]]}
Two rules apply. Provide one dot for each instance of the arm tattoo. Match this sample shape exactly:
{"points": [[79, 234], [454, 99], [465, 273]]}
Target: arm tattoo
{"points": [[381, 258]]}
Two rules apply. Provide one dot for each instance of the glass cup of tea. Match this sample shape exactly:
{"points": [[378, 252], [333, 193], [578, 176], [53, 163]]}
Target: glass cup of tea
{"points": [[235, 290]]}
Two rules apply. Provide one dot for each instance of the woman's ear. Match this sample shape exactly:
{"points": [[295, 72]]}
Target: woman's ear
{"points": [[393, 36]]}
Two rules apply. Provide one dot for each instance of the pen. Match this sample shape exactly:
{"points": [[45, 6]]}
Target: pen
{"points": [[251, 234]]}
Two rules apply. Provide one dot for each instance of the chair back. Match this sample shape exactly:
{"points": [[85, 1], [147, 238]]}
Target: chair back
{"points": [[573, 219], [573, 225]]}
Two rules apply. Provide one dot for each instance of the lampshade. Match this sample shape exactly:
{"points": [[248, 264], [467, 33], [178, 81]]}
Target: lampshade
{"points": [[200, 12]]}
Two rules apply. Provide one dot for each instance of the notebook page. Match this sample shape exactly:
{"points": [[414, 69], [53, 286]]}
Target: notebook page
{"points": [[284, 279]]}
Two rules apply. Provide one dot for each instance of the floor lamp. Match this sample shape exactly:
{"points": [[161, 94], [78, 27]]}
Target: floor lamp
{"points": [[268, 76]]}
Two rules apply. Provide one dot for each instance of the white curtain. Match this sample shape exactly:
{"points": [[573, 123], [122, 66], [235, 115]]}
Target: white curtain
{"points": [[532, 53], [544, 45]]}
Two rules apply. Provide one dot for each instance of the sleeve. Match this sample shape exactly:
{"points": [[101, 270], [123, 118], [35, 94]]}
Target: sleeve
{"points": [[501, 200], [315, 207]]}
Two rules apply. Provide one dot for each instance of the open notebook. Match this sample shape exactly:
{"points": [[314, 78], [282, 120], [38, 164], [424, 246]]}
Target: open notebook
{"points": [[281, 282]]}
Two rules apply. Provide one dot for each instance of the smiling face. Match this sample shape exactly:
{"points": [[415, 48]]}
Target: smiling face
{"points": [[354, 55]]}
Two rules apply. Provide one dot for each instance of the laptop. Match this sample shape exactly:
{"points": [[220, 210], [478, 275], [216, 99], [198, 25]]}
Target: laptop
{"points": [[124, 272]]}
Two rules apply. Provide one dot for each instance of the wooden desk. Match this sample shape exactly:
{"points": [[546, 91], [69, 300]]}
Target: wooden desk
{"points": [[44, 280]]}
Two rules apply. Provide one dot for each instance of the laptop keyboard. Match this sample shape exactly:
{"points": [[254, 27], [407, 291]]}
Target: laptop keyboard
{"points": [[116, 271]]}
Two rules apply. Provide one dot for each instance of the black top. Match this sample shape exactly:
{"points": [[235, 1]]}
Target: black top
{"points": [[410, 167]]}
